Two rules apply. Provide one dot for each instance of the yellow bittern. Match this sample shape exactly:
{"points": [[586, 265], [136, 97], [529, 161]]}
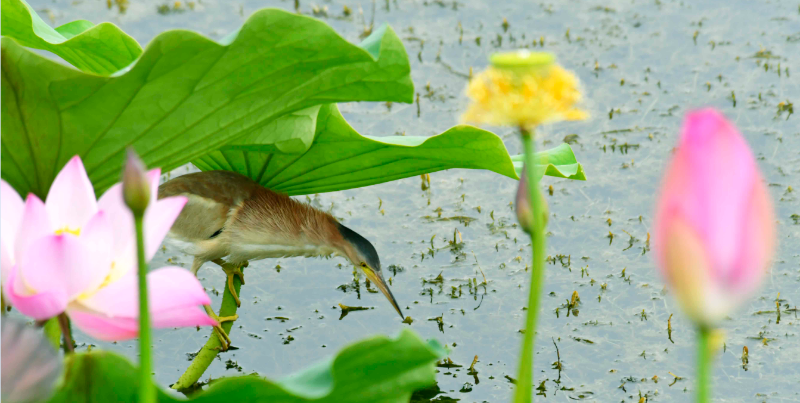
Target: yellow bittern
{"points": [[230, 216]]}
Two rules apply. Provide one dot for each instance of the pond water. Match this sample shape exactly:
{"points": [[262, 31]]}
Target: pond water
{"points": [[642, 65]]}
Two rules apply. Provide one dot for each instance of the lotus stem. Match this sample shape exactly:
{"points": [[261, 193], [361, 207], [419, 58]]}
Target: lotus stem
{"points": [[524, 389], [52, 331], [209, 351], [63, 323], [705, 356], [147, 390]]}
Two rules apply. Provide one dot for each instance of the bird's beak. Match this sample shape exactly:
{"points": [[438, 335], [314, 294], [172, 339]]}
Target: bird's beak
{"points": [[378, 280]]}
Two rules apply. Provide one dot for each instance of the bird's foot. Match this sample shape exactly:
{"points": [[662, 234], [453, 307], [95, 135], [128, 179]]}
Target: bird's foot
{"points": [[224, 339], [231, 271]]}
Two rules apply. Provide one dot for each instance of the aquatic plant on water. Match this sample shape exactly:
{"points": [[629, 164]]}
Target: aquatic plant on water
{"points": [[525, 89], [179, 101]]}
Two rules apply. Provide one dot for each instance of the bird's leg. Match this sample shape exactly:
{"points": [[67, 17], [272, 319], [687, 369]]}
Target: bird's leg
{"points": [[232, 270], [224, 339]]}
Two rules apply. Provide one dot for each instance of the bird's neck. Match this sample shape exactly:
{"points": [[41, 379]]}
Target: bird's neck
{"points": [[309, 241], [322, 233]]}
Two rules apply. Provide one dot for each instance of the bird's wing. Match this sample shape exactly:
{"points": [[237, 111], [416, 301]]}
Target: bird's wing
{"points": [[225, 187], [212, 195]]}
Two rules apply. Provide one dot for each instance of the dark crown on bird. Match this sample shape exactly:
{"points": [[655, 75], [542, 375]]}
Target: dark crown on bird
{"points": [[362, 245]]}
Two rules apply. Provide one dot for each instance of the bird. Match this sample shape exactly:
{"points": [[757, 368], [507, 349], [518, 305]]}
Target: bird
{"points": [[230, 219]]}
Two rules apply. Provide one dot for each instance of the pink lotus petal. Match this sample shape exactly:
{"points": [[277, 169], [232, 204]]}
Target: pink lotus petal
{"points": [[107, 328], [158, 219], [112, 203], [34, 225], [104, 328], [713, 146], [118, 299], [71, 201], [61, 262], [11, 209], [98, 237], [40, 306], [174, 296], [174, 287], [182, 317], [6, 262], [168, 288], [154, 175], [757, 242]]}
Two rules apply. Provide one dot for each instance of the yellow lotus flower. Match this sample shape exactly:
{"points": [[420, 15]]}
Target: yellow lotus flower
{"points": [[523, 89]]}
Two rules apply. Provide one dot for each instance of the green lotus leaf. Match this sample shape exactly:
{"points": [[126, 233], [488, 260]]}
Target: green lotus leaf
{"points": [[340, 158], [101, 49], [367, 371], [185, 96]]}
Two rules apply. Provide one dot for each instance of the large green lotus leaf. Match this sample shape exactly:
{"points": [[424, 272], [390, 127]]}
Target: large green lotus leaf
{"points": [[340, 158], [378, 369], [185, 96], [100, 49]]}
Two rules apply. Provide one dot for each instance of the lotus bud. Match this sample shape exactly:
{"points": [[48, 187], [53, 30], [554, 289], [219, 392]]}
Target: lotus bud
{"points": [[714, 224], [523, 205], [135, 183]]}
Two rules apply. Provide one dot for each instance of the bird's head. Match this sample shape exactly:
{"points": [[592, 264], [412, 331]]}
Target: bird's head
{"points": [[363, 255]]}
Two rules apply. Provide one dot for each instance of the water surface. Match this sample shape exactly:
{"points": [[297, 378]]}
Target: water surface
{"points": [[642, 65]]}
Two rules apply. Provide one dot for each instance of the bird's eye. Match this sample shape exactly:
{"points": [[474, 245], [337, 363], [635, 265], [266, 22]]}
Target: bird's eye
{"points": [[364, 265]]}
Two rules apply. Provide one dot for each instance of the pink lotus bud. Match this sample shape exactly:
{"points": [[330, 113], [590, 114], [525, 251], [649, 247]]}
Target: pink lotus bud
{"points": [[523, 205], [715, 224], [135, 183]]}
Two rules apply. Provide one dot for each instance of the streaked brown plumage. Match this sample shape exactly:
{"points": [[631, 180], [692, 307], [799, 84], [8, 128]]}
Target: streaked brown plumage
{"points": [[230, 216], [247, 214]]}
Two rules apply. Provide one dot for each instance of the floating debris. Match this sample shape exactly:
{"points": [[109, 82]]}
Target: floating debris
{"points": [[347, 309], [447, 363], [745, 357], [669, 328]]}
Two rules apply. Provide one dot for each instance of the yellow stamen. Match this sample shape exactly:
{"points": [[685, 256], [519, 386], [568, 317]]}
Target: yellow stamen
{"points": [[76, 231], [515, 95], [106, 281]]}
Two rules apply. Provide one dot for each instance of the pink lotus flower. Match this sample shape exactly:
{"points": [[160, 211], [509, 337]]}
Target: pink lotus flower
{"points": [[715, 224], [77, 255]]}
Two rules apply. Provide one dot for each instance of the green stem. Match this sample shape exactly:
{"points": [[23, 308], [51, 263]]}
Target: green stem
{"points": [[206, 355], [52, 332], [524, 390], [705, 356], [63, 323], [147, 390]]}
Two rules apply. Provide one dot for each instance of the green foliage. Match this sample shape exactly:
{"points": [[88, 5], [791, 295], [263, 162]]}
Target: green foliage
{"points": [[559, 162], [325, 154], [100, 49], [260, 102], [367, 371], [185, 96]]}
